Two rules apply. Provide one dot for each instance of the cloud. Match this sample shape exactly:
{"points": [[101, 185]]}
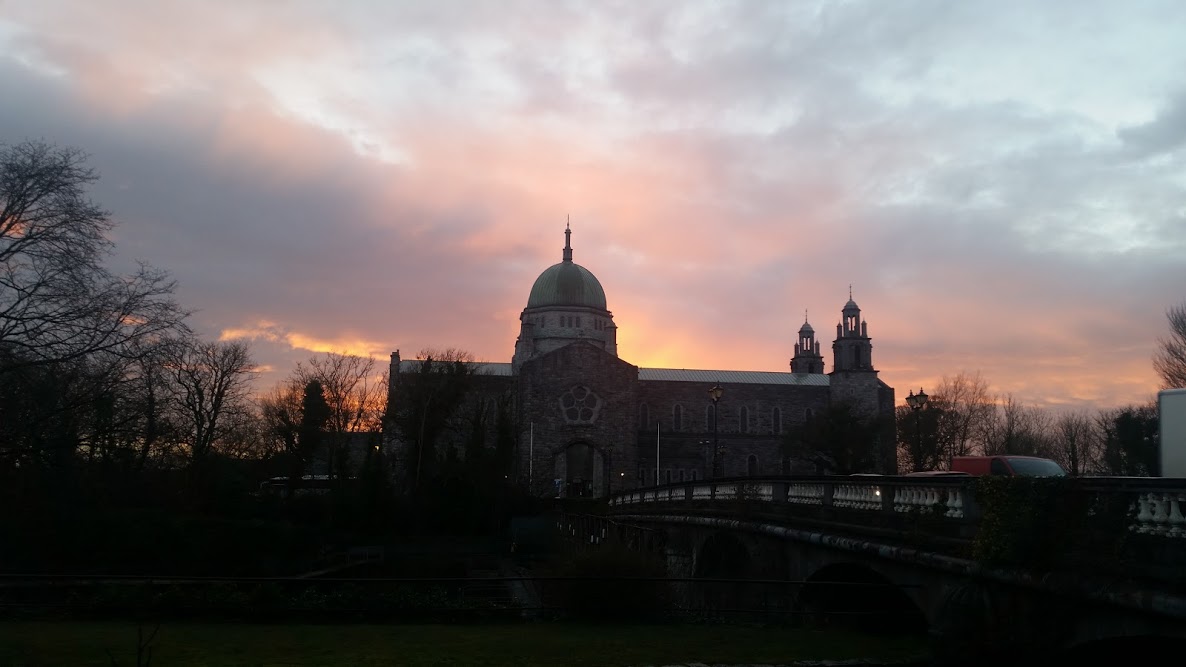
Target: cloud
{"points": [[1165, 133], [272, 332], [1001, 182]]}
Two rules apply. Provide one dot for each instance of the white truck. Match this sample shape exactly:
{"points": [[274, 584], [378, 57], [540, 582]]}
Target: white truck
{"points": [[1171, 409]]}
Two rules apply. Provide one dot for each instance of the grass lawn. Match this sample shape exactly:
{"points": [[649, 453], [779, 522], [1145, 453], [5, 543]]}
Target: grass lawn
{"points": [[45, 644]]}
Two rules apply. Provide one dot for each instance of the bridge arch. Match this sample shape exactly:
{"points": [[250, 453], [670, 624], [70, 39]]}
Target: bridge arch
{"points": [[854, 595], [723, 556]]}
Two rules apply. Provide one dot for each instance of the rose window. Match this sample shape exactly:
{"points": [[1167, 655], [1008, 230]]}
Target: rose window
{"points": [[580, 405]]}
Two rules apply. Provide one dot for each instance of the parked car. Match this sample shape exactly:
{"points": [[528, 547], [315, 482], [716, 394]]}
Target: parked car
{"points": [[939, 473], [1007, 466]]}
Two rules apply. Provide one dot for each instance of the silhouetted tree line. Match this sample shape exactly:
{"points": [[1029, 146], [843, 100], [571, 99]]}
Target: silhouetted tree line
{"points": [[964, 418], [129, 443]]}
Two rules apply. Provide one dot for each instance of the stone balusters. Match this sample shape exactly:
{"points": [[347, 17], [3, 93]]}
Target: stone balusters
{"points": [[955, 503], [857, 496], [800, 493], [947, 500], [1159, 513]]}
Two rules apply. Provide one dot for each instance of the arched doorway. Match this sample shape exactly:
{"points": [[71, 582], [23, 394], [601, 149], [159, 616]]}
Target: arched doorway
{"points": [[581, 471]]}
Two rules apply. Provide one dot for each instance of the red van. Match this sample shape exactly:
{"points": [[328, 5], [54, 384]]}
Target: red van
{"points": [[1008, 466]]}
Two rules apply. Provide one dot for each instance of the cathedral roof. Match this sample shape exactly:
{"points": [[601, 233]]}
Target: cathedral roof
{"points": [[567, 284], [704, 377], [709, 377]]}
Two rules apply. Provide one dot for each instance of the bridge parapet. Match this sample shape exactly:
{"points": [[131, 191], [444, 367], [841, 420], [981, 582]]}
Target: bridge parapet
{"points": [[1125, 526], [946, 497], [1155, 505]]}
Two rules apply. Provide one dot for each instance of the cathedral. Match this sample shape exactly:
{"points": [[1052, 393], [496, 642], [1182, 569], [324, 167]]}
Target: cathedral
{"points": [[589, 423]]}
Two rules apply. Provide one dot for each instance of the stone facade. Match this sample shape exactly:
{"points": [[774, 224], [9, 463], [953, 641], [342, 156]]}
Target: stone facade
{"points": [[588, 423]]}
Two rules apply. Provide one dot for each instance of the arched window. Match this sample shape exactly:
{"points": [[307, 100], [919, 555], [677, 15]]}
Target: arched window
{"points": [[677, 417], [708, 417], [751, 466], [744, 416], [807, 414], [667, 475], [681, 474], [642, 476], [695, 475], [644, 418], [776, 421]]}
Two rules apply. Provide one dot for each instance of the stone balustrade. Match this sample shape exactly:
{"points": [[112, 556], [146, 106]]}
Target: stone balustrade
{"points": [[1160, 513], [1156, 507]]}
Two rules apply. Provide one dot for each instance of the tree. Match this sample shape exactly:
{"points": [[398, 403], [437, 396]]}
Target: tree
{"points": [[354, 395], [1017, 429], [315, 413], [211, 383], [1076, 443], [919, 445], [426, 399], [1170, 359], [280, 410], [964, 408], [57, 301], [72, 334], [836, 440], [1130, 441]]}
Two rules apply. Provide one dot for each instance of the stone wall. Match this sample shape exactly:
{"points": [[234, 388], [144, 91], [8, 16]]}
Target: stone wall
{"points": [[688, 448], [578, 394]]}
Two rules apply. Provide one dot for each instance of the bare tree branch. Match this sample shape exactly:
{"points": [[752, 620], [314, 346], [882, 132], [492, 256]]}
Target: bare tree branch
{"points": [[1170, 359], [211, 384], [57, 301]]}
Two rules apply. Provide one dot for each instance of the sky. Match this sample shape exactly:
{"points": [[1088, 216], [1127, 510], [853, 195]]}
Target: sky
{"points": [[1002, 183]]}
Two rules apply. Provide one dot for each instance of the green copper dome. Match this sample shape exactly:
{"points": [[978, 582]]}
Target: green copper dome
{"points": [[567, 284]]}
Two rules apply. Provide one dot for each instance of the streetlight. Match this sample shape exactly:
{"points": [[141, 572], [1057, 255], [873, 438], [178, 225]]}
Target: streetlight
{"points": [[715, 395], [916, 401]]}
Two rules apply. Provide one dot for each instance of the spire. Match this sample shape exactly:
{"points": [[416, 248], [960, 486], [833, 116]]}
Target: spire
{"points": [[807, 358], [567, 240]]}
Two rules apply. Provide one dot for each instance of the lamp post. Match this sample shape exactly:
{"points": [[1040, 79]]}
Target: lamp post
{"points": [[916, 401], [715, 395]]}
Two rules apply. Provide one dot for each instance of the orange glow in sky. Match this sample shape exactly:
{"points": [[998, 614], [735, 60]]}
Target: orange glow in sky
{"points": [[373, 176]]}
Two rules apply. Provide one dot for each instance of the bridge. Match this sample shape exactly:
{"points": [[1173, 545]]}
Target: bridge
{"points": [[986, 565]]}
